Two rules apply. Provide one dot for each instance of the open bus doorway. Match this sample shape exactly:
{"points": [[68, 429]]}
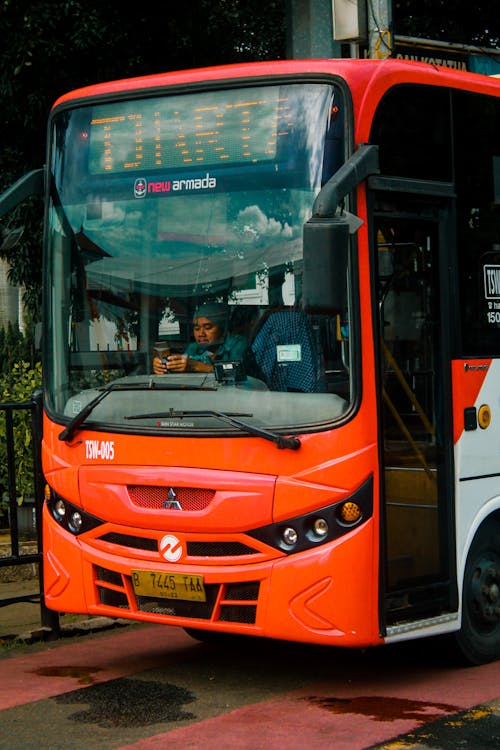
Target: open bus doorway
{"points": [[413, 385]]}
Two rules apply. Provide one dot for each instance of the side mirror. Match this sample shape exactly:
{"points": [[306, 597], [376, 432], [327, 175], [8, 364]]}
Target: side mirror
{"points": [[10, 237], [324, 277]]}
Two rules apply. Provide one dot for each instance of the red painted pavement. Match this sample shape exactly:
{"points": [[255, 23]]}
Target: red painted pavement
{"points": [[295, 722], [62, 668], [337, 715]]}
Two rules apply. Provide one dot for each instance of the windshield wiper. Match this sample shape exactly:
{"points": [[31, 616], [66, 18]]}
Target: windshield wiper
{"points": [[231, 418], [72, 427]]}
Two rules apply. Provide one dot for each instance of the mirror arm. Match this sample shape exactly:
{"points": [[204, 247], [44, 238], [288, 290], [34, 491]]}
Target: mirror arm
{"points": [[363, 163], [32, 183]]}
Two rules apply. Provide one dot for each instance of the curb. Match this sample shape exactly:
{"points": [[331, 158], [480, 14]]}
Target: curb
{"points": [[69, 630]]}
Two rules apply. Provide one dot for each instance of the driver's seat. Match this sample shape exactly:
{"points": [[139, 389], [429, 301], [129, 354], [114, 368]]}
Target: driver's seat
{"points": [[286, 353]]}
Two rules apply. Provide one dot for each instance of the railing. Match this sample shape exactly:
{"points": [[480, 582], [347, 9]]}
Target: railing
{"points": [[48, 618]]}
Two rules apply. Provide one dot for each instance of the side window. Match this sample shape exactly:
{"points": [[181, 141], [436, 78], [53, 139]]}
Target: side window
{"points": [[476, 121], [412, 129]]}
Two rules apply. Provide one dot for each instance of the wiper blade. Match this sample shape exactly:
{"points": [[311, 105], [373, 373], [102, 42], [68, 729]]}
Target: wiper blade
{"points": [[189, 413], [156, 386], [150, 385], [72, 427], [231, 418]]}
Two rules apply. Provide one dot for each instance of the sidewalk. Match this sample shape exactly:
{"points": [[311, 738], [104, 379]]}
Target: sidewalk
{"points": [[21, 623], [18, 580], [16, 619]]}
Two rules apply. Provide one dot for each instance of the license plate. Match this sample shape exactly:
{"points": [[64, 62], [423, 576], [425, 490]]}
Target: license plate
{"points": [[169, 585]]}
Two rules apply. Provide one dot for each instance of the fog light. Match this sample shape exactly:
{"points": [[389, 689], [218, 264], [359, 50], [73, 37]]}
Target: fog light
{"points": [[75, 522], [320, 527], [350, 512], [59, 510], [290, 536]]}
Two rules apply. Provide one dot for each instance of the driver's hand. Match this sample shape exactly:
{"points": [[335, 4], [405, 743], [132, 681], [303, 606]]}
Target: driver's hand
{"points": [[177, 363], [159, 367]]}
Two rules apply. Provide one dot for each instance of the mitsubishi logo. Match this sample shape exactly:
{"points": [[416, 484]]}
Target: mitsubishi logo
{"points": [[171, 503]]}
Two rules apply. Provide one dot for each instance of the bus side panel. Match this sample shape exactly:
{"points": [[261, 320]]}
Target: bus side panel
{"points": [[62, 569], [334, 598], [476, 429]]}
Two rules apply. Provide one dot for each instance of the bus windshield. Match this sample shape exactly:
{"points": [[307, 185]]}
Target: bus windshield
{"points": [[174, 238]]}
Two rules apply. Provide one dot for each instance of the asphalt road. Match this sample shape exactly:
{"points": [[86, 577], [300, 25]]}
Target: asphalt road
{"points": [[143, 687]]}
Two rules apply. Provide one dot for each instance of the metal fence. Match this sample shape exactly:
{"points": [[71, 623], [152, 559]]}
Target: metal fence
{"points": [[18, 556]]}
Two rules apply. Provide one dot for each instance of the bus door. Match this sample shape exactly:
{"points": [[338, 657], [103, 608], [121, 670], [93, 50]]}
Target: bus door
{"points": [[416, 498]]}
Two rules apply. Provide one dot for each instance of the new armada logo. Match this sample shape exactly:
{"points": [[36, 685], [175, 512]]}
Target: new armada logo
{"points": [[142, 187], [171, 548]]}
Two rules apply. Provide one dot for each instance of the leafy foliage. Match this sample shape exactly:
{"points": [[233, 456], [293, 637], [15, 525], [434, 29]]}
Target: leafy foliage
{"points": [[455, 22], [16, 347], [17, 386], [53, 46], [20, 375]]}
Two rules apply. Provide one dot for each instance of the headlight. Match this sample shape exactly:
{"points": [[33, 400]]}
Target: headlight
{"points": [[75, 522], [290, 536], [59, 510], [69, 516], [320, 527]]}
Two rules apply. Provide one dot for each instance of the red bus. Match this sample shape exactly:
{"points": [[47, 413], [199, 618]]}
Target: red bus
{"points": [[326, 467]]}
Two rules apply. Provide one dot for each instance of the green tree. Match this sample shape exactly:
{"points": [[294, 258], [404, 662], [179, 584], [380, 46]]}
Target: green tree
{"points": [[53, 46], [17, 386], [456, 21], [17, 347], [20, 375]]}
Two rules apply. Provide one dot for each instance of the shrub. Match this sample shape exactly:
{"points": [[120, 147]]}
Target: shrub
{"points": [[17, 386]]}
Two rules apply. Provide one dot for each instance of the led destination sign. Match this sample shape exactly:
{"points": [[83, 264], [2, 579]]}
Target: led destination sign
{"points": [[202, 130]]}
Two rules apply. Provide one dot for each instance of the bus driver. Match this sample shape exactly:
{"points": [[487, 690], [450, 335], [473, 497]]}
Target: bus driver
{"points": [[211, 344]]}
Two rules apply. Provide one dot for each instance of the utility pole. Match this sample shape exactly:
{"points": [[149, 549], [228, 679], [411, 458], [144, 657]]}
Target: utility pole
{"points": [[379, 20], [319, 28]]}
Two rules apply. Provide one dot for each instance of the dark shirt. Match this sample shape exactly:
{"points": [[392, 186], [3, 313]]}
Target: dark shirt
{"points": [[234, 348]]}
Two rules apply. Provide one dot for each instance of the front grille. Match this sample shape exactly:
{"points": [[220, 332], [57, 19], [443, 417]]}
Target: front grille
{"points": [[179, 607], [127, 540], [234, 613], [248, 591], [108, 576], [226, 602], [155, 497], [194, 549], [112, 598], [219, 549]]}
